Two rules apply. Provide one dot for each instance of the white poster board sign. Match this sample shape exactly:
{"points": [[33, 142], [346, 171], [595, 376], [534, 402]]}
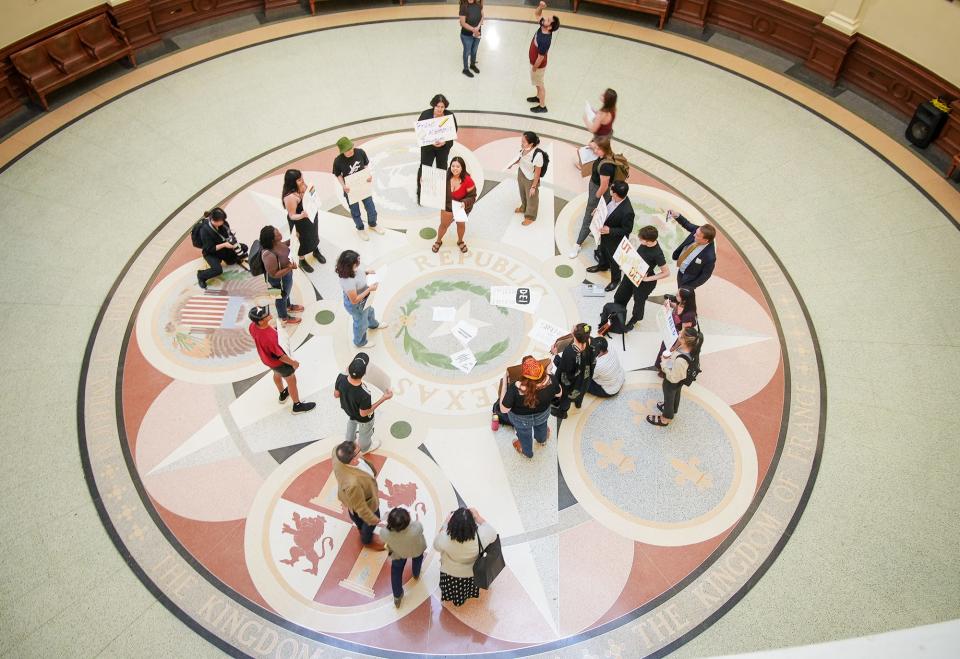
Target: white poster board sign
{"points": [[668, 330], [598, 220], [435, 129], [360, 187], [629, 261], [311, 203], [433, 188]]}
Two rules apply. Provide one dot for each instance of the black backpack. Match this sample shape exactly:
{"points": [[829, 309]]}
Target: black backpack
{"points": [[255, 259], [693, 370], [616, 315], [546, 161], [196, 233]]}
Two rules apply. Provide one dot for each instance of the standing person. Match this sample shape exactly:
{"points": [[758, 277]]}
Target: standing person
{"points": [[531, 164], [278, 269], [307, 235], [608, 376], [683, 310], [459, 543], [357, 490], [460, 189], [619, 223], [601, 176], [602, 124], [350, 161], [696, 256], [649, 250], [404, 539], [537, 54], [574, 366], [436, 154], [215, 236], [471, 20], [527, 403], [678, 373], [273, 355], [353, 281], [356, 401]]}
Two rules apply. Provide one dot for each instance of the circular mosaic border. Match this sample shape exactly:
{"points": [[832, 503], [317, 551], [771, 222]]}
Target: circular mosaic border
{"points": [[664, 623]]}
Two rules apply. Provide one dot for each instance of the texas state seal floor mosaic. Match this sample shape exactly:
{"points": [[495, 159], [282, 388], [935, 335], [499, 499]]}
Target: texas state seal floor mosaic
{"points": [[225, 504]]}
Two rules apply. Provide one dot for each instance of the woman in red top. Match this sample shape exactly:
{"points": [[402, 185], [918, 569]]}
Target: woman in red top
{"points": [[460, 190], [602, 123]]}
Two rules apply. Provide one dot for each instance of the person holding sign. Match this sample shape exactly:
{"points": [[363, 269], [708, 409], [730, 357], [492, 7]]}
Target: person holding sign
{"points": [[683, 313], [307, 235], [356, 291], [471, 20], [601, 175], [619, 223], [436, 154], [461, 195], [278, 269], [537, 53], [682, 367], [531, 165], [351, 161], [600, 123], [649, 250], [527, 404]]}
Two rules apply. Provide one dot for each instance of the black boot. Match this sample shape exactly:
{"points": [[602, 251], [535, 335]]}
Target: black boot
{"points": [[321, 259], [306, 267]]}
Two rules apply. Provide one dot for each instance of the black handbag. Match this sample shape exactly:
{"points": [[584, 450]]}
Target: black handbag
{"points": [[488, 564]]}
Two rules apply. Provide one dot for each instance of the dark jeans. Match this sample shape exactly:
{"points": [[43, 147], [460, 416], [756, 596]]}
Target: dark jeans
{"points": [[528, 427], [215, 269], [285, 284], [432, 156], [366, 530], [671, 398], [396, 573], [470, 46], [640, 293], [592, 202], [597, 390], [606, 262], [367, 206]]}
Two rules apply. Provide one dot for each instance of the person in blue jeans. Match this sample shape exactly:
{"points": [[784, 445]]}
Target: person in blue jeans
{"points": [[350, 161], [471, 20], [404, 540], [527, 403], [353, 281], [279, 267]]}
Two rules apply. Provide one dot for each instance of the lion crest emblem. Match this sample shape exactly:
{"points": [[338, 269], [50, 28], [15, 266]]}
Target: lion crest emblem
{"points": [[306, 532], [403, 494]]}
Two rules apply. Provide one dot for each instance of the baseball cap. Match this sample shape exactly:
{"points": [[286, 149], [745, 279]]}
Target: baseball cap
{"points": [[358, 367]]}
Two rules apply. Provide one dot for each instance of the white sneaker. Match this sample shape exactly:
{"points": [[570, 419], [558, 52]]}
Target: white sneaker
{"points": [[368, 344], [377, 230], [363, 234], [374, 445], [575, 252], [381, 326]]}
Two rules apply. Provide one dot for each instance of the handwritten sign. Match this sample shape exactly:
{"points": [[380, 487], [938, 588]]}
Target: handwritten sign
{"points": [[630, 262], [360, 187], [433, 187], [598, 220], [311, 203], [668, 329], [435, 129]]}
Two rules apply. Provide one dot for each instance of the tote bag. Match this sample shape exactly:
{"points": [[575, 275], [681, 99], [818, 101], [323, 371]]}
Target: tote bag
{"points": [[488, 564]]}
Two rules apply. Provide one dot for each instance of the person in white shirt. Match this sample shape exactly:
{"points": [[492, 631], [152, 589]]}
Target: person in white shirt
{"points": [[459, 543], [532, 164], [608, 375]]}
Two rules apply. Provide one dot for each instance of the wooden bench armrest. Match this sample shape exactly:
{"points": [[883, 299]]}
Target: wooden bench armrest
{"points": [[121, 35], [89, 47], [59, 63]]}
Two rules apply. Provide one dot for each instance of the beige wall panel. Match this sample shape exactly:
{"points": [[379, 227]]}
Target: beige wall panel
{"points": [[21, 18]]}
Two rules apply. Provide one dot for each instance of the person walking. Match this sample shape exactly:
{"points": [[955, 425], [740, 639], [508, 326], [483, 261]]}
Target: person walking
{"points": [[574, 366], [356, 401], [308, 236], [436, 154], [683, 311], [649, 250], [404, 540], [217, 246], [278, 269], [471, 20], [353, 281], [601, 125], [608, 376], [531, 165], [696, 256], [350, 161], [460, 190], [681, 369], [619, 224], [284, 366], [527, 403], [537, 53], [357, 490], [604, 168], [459, 543]]}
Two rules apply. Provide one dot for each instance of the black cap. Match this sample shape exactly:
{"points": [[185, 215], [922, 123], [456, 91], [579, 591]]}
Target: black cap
{"points": [[257, 314], [358, 367]]}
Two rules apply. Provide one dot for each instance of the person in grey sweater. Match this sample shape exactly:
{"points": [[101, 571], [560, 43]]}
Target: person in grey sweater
{"points": [[404, 539]]}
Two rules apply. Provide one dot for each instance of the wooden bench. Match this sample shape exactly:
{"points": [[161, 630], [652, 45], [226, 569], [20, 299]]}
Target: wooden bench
{"points": [[69, 55], [659, 8]]}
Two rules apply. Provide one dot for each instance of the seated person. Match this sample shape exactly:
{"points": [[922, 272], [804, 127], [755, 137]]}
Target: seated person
{"points": [[608, 375]]}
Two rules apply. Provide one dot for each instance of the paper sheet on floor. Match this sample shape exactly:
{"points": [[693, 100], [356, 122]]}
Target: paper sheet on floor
{"points": [[464, 360], [464, 332], [444, 314], [513, 297], [545, 333]]}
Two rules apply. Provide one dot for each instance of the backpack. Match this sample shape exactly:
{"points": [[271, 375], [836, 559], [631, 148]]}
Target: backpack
{"points": [[621, 167], [693, 370], [196, 233], [546, 161], [255, 259], [616, 315]]}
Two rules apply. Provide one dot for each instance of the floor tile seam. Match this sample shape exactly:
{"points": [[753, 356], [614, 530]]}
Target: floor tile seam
{"points": [[152, 603]]}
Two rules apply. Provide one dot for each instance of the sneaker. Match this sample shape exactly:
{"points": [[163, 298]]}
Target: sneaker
{"points": [[290, 320], [381, 326], [363, 234], [303, 407], [396, 601], [467, 73], [533, 99], [306, 267], [284, 395], [321, 259], [374, 445], [377, 229], [473, 67], [295, 308], [575, 252], [368, 344], [538, 109]]}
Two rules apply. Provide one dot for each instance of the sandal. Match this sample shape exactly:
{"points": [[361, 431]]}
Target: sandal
{"points": [[660, 406], [656, 420], [463, 246], [518, 209], [436, 247]]}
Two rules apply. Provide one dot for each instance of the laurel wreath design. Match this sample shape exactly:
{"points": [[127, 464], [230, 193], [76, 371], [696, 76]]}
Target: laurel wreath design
{"points": [[418, 351]]}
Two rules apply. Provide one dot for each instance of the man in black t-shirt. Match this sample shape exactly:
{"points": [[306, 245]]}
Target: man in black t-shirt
{"points": [[471, 18], [350, 161], [356, 401], [649, 250]]}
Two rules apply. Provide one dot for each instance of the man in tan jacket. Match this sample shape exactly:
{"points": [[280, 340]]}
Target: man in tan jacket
{"points": [[357, 489]]}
